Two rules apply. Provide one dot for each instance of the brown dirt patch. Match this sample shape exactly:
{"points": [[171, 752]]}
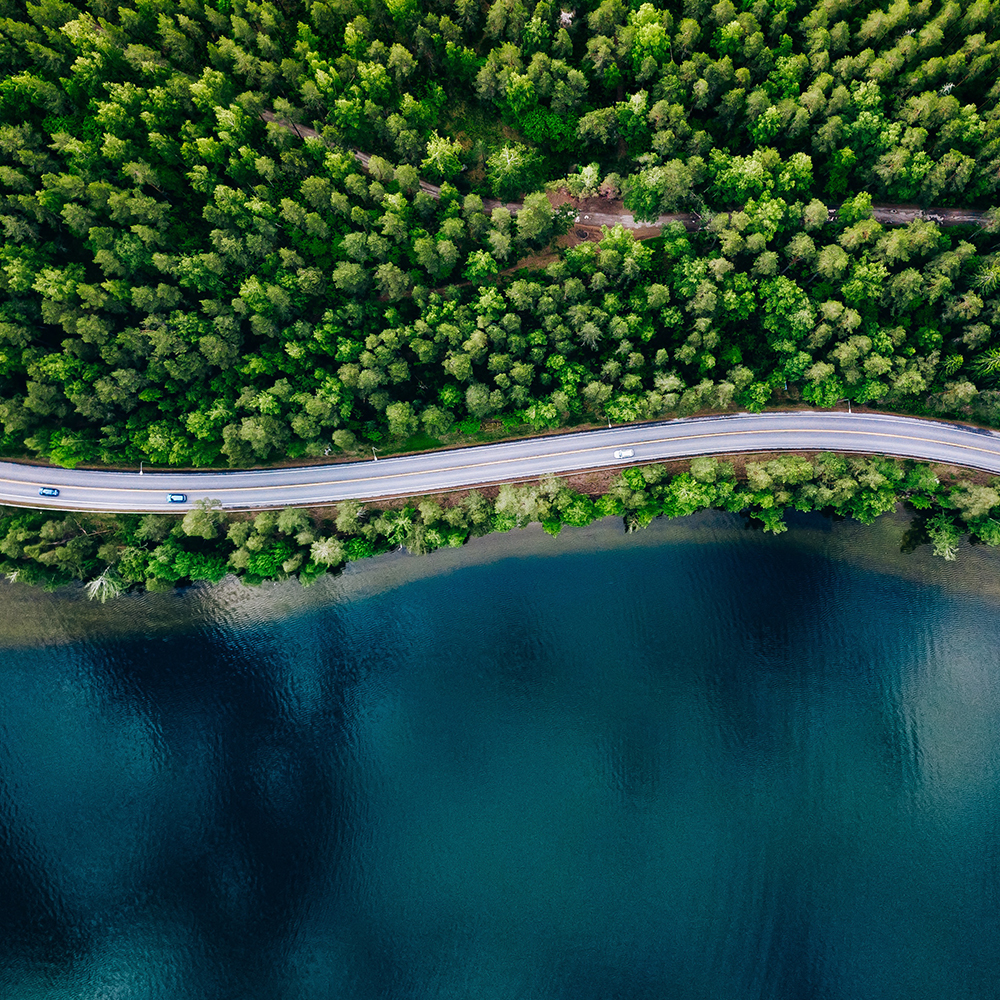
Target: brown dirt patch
{"points": [[560, 196], [511, 133], [533, 262], [580, 234], [610, 206], [476, 174]]}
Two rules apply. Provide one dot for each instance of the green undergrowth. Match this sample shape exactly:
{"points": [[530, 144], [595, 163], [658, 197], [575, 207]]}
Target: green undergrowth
{"points": [[113, 554]]}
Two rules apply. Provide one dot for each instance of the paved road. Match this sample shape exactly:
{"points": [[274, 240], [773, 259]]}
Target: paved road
{"points": [[433, 472]]}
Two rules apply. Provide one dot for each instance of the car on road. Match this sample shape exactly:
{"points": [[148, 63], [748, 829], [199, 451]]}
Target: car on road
{"points": [[176, 498], [48, 491], [624, 453]]}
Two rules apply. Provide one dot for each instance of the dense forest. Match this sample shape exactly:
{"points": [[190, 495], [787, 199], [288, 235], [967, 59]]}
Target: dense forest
{"points": [[114, 553], [188, 277]]}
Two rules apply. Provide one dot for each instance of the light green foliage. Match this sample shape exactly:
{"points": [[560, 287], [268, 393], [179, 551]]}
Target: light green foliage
{"points": [[974, 502], [944, 535], [442, 160], [204, 520], [327, 552], [512, 170]]}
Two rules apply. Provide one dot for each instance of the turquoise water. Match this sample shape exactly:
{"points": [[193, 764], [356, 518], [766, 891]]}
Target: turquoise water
{"points": [[696, 763]]}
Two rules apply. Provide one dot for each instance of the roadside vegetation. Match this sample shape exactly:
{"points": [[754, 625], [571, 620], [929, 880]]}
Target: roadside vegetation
{"points": [[112, 554], [186, 281], [197, 269]]}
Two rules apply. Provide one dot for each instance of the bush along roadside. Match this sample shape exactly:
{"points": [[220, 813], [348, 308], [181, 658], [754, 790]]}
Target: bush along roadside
{"points": [[113, 554]]}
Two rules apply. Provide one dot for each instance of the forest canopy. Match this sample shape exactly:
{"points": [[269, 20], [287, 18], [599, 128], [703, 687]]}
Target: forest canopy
{"points": [[196, 267]]}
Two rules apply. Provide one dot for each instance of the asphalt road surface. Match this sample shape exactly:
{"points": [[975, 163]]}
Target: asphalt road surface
{"points": [[438, 471]]}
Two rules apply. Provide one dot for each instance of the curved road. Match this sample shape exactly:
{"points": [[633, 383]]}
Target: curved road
{"points": [[438, 471]]}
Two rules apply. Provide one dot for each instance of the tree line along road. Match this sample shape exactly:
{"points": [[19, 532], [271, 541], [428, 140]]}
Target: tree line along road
{"points": [[892, 215], [525, 459]]}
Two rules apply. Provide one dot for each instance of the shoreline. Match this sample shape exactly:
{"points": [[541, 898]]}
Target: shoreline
{"points": [[63, 616]]}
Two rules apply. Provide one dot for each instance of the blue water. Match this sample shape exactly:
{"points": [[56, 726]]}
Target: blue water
{"points": [[713, 766]]}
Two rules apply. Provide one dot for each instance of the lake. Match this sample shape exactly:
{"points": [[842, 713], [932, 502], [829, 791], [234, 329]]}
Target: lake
{"points": [[692, 762]]}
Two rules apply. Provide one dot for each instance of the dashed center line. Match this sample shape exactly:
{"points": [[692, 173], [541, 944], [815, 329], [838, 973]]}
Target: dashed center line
{"points": [[459, 474]]}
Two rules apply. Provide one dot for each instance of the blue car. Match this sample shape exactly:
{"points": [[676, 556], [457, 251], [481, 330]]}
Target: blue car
{"points": [[48, 491], [176, 498]]}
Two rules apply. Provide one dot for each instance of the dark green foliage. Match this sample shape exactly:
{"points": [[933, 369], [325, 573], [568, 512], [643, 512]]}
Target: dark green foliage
{"points": [[159, 552], [196, 270]]}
